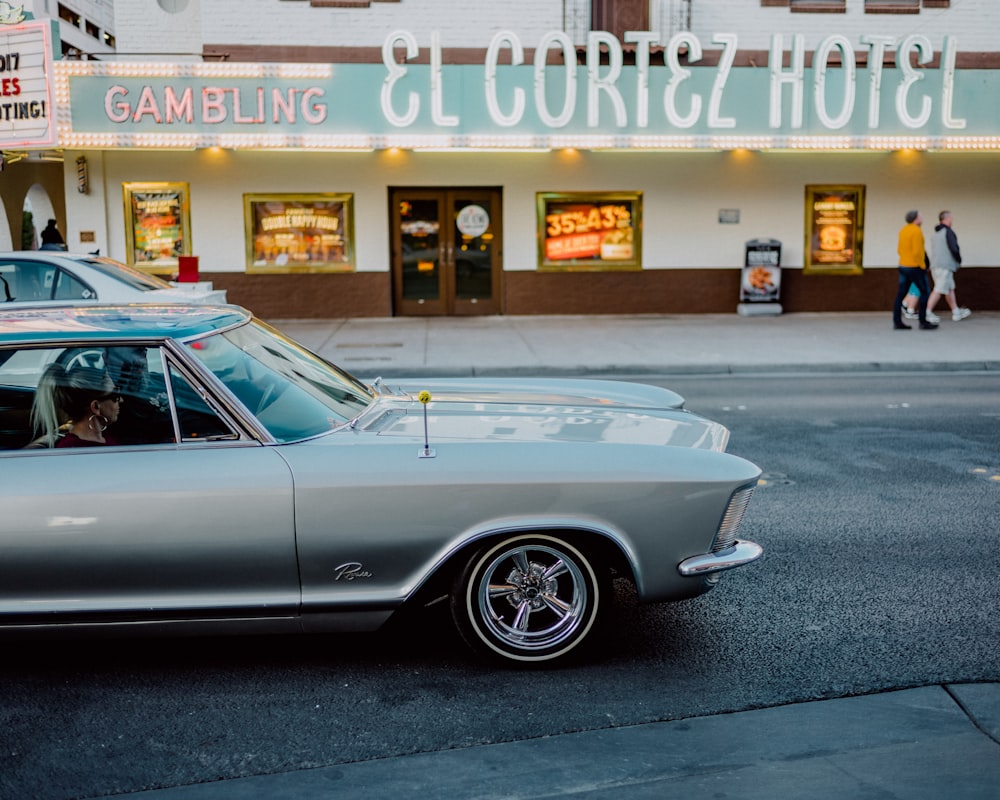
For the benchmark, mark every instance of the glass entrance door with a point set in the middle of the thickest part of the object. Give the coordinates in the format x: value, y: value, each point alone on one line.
x: 445, y: 251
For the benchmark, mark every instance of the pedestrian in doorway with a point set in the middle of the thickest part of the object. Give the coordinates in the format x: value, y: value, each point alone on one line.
x: 913, y: 264
x: 946, y: 258
x: 51, y: 238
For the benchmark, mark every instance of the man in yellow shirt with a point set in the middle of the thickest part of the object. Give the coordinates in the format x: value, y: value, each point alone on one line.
x: 912, y: 270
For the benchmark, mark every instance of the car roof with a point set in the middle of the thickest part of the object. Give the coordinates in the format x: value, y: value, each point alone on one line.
x: 92, y: 266
x: 46, y: 255
x: 118, y: 321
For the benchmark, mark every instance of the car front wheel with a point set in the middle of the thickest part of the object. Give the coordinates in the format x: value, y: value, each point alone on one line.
x: 529, y: 599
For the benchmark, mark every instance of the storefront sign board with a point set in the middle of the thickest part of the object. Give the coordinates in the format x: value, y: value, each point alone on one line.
x: 26, y: 118
x: 299, y: 232
x: 157, y: 224
x: 495, y: 104
x: 835, y: 225
x: 589, y: 230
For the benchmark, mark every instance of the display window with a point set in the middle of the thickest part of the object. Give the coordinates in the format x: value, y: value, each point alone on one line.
x: 589, y: 230
x: 157, y: 225
x: 300, y: 232
x: 834, y: 236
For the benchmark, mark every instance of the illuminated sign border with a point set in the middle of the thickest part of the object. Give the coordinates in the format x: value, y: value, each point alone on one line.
x: 589, y: 231
x: 304, y: 217
x: 176, y: 198
x: 834, y: 229
x: 831, y: 105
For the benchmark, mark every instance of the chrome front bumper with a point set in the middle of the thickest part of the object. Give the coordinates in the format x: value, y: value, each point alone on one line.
x: 742, y: 552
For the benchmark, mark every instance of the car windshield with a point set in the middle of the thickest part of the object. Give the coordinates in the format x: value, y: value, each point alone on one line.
x: 292, y: 392
x: 125, y: 274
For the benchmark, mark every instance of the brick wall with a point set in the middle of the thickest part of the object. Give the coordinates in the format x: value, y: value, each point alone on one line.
x: 973, y: 22
x: 145, y: 28
x: 274, y: 22
x: 356, y: 294
x: 690, y: 291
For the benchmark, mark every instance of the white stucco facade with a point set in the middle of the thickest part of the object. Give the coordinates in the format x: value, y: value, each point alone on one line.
x: 683, y: 195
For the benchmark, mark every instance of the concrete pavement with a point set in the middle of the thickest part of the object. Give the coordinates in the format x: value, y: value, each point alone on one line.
x: 646, y: 344
x: 925, y: 743
x: 921, y: 743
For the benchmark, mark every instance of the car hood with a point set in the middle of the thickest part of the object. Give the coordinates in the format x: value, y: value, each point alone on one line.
x: 535, y: 410
x: 597, y: 393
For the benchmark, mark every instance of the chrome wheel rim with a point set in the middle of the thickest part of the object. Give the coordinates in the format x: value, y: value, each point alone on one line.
x: 533, y: 597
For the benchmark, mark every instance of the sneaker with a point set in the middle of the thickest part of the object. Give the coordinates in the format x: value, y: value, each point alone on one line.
x: 909, y: 314
x: 928, y: 326
x: 960, y: 313
x: 932, y: 317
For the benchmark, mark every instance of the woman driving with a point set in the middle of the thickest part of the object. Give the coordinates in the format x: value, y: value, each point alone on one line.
x: 79, y: 403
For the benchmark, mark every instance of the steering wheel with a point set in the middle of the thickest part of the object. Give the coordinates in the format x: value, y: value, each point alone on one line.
x: 94, y: 359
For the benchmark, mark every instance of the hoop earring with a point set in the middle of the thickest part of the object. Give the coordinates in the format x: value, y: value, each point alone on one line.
x: 100, y: 426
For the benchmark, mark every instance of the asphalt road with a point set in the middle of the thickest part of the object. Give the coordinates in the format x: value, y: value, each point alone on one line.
x: 878, y: 517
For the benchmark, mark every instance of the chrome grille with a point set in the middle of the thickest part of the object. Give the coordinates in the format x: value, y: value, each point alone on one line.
x: 730, y: 525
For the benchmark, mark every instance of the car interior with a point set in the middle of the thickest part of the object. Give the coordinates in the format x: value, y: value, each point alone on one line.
x: 138, y: 375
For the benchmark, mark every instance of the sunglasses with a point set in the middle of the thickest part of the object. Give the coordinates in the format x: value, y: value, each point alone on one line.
x: 115, y: 396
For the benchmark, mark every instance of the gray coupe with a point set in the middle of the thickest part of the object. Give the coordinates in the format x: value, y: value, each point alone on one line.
x: 220, y: 478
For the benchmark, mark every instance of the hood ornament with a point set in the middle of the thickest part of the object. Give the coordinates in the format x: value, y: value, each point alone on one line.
x: 425, y: 397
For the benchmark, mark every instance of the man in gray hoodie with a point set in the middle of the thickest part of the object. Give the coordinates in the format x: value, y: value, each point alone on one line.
x: 946, y: 258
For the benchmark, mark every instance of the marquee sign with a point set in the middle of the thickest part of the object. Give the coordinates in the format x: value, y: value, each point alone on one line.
x: 832, y: 104
x: 25, y: 102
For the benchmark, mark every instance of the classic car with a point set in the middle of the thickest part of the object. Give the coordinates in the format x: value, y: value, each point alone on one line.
x: 42, y: 277
x: 252, y: 486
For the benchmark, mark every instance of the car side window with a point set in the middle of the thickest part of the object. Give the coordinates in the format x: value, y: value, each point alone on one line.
x: 38, y: 388
x: 69, y: 288
x: 8, y: 283
x: 25, y: 281
x: 137, y: 372
x: 56, y: 387
x: 19, y: 371
x: 197, y: 419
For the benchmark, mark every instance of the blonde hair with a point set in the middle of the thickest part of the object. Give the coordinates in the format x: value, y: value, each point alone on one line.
x: 65, y: 396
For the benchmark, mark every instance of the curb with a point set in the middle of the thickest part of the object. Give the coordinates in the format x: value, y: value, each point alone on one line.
x: 923, y: 367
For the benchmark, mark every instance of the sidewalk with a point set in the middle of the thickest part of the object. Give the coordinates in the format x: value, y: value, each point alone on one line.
x: 926, y: 743
x: 645, y: 344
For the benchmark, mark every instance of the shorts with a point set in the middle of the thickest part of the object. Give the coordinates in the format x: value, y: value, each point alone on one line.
x: 944, y: 280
